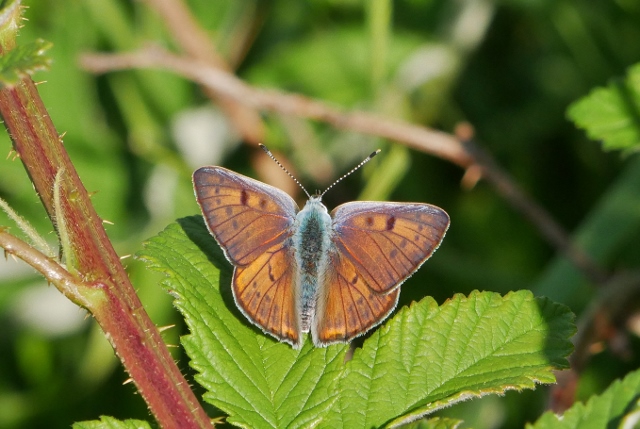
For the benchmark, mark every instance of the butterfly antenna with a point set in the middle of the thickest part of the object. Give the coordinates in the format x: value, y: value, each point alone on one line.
x: 367, y: 159
x: 268, y: 152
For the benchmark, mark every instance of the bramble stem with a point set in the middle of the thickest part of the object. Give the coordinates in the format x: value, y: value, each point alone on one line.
x: 98, y: 279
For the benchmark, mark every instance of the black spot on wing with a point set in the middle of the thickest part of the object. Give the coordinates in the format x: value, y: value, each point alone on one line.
x: 271, y: 276
x: 391, y: 222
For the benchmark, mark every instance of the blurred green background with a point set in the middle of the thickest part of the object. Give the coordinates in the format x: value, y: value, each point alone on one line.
x: 508, y: 67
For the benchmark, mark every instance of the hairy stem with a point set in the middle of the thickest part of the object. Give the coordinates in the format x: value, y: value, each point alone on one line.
x: 97, y: 279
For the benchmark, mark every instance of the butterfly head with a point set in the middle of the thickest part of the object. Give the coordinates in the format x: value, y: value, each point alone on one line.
x: 315, y: 202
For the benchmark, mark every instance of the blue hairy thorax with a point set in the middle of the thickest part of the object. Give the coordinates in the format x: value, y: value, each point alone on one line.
x: 311, y: 241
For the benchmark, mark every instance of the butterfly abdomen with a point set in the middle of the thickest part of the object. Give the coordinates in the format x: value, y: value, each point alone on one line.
x: 311, y: 241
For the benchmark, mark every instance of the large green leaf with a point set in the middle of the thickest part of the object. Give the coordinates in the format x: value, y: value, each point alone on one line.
x: 425, y: 358
x: 612, y: 114
x: 616, y: 407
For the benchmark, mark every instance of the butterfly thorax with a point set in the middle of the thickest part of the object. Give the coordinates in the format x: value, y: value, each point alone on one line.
x: 312, y: 242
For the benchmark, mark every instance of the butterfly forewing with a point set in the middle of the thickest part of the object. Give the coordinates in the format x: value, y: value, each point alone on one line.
x: 347, y: 307
x: 253, y: 223
x: 245, y: 216
x: 387, y: 242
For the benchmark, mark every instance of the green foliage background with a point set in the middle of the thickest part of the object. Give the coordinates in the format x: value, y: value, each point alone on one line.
x: 511, y: 68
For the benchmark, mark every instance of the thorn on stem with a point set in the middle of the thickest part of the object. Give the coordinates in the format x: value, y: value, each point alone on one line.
x: 164, y: 328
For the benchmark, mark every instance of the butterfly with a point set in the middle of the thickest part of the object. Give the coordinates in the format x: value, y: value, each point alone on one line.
x: 296, y: 271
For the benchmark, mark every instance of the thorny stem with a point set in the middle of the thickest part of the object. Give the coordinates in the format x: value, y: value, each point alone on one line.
x: 47, y: 266
x: 99, y: 281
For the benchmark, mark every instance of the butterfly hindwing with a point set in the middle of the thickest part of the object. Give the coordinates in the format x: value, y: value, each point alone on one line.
x: 387, y: 242
x: 264, y: 292
x: 245, y: 216
x: 347, y: 307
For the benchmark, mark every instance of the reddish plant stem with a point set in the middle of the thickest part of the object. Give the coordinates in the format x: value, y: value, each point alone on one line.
x: 101, y: 282
x: 48, y: 267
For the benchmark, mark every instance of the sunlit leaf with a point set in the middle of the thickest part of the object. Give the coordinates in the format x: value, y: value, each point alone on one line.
x: 612, y: 114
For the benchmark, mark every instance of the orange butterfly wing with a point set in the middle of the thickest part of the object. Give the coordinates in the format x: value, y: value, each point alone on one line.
x: 246, y: 217
x: 252, y: 222
x: 264, y: 292
x: 377, y: 247
x: 346, y: 306
x: 387, y: 242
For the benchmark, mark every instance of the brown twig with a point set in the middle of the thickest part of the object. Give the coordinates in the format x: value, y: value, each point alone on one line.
x: 538, y: 216
x: 102, y: 286
x: 602, y: 322
x: 434, y: 142
x: 468, y: 156
x: 197, y: 44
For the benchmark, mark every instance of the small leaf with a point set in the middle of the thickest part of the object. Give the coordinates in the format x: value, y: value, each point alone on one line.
x: 23, y: 60
x: 612, y: 114
x: 616, y: 405
x: 107, y: 422
x: 425, y: 358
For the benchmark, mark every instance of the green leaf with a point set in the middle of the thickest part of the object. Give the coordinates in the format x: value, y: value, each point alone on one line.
x: 616, y: 405
x: 612, y: 114
x: 425, y: 358
x: 23, y: 60
x: 107, y: 422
